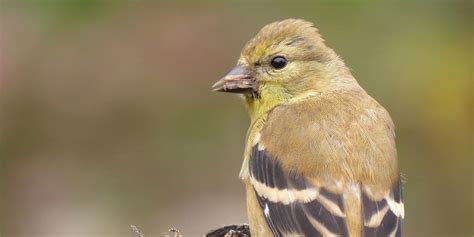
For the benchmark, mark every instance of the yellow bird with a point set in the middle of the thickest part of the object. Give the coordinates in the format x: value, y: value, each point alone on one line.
x: 320, y: 156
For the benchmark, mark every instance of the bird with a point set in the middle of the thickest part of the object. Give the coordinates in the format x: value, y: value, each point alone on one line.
x: 320, y: 157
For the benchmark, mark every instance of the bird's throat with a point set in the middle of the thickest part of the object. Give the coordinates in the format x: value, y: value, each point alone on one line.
x: 259, y: 106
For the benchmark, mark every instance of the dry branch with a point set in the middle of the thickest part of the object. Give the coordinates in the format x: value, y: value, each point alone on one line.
x: 226, y: 231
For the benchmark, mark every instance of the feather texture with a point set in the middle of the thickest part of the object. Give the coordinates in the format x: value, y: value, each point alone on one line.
x: 318, y: 168
x: 384, y: 217
x: 291, y: 205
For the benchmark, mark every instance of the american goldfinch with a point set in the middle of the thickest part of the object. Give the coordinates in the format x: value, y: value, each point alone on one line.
x: 320, y: 156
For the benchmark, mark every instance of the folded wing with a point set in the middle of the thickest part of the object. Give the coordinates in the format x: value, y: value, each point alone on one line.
x: 291, y: 205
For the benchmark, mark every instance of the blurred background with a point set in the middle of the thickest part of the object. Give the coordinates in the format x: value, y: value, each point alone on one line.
x: 107, y: 118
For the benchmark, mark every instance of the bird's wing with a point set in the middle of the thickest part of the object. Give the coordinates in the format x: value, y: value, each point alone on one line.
x: 311, y: 158
x: 384, y: 217
x: 292, y: 206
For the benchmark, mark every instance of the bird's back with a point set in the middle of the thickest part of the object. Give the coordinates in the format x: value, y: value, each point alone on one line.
x: 342, y: 143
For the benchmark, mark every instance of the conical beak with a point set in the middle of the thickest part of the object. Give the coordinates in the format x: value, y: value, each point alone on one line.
x: 238, y: 80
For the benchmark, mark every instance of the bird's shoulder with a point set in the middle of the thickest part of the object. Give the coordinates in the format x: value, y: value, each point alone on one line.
x: 326, y: 165
x: 340, y: 135
x: 333, y: 110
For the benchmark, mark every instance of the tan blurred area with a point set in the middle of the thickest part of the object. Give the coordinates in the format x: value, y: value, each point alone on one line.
x: 107, y: 118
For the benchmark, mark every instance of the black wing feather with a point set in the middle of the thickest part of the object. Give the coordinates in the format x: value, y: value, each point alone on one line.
x: 391, y: 222
x: 295, y: 217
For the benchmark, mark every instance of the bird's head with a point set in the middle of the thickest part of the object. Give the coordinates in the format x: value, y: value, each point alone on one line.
x: 285, y: 61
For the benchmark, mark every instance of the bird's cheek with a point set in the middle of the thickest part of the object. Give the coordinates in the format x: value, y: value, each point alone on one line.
x: 262, y: 86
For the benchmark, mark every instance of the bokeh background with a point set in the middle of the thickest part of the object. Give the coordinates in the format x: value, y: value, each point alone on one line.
x: 107, y: 118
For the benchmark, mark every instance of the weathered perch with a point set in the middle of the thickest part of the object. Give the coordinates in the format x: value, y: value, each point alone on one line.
x: 231, y: 231
x: 226, y: 231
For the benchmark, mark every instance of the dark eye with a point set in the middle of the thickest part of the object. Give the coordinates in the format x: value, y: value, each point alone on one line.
x: 279, y: 62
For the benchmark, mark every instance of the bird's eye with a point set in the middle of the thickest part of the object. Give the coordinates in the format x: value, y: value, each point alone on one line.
x: 279, y: 62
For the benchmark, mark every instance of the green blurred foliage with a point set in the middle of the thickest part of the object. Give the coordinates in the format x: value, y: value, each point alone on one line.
x: 107, y: 118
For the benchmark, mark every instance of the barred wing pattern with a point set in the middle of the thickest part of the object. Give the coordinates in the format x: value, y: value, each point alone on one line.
x: 294, y: 207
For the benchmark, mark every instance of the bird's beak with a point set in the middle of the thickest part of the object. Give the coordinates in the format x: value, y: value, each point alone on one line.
x: 238, y: 80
